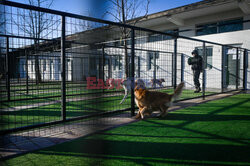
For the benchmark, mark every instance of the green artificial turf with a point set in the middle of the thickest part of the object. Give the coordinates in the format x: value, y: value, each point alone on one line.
x: 52, y: 112
x: 214, y: 133
x: 30, y: 97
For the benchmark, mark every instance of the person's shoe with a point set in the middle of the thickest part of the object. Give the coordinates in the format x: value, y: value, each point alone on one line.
x: 197, y: 90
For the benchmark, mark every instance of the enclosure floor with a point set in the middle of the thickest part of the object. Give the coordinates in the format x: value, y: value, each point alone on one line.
x: 25, y: 142
x: 18, y: 108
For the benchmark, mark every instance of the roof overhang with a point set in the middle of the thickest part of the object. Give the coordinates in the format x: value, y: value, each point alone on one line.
x: 178, y: 17
x: 244, y: 5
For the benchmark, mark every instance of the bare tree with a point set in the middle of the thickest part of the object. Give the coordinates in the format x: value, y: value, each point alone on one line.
x: 125, y: 11
x: 36, y: 25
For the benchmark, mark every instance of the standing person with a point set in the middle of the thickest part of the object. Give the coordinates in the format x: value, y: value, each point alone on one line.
x: 196, y: 63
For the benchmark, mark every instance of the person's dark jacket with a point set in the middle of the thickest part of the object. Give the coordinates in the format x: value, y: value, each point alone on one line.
x: 196, y: 62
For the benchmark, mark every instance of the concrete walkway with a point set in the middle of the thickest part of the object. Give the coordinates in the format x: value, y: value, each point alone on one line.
x: 16, y: 144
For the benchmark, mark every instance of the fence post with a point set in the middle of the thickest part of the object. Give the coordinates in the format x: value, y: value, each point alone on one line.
x: 154, y: 73
x: 110, y: 67
x: 204, y: 64
x: 182, y: 67
x: 139, y: 67
x: 7, y: 61
x: 237, y: 69
x: 103, y: 64
x: 223, y: 69
x: 174, y: 74
x: 27, y: 72
x: 63, y: 81
x: 245, y: 63
x: 132, y: 71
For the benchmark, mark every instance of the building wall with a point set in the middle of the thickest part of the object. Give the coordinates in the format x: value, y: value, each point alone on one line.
x: 49, y: 66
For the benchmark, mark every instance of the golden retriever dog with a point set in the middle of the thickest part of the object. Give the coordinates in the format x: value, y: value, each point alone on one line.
x: 149, y: 101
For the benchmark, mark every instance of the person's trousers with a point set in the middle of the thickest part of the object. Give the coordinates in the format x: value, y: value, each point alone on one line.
x: 196, y: 75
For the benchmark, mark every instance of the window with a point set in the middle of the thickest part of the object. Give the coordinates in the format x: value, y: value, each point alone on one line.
x: 150, y: 59
x: 231, y: 25
x: 159, y: 37
x: 206, y: 29
x: 220, y: 27
x: 174, y: 32
x: 209, y: 54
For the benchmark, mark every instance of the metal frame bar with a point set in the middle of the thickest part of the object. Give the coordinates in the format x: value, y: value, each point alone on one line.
x: 63, y: 73
x: 204, y: 64
x: 7, y: 68
x: 132, y: 71
x: 27, y: 71
x: 237, y: 69
x: 174, y: 74
x: 245, y: 61
x: 154, y: 71
x: 223, y: 69
x: 182, y: 67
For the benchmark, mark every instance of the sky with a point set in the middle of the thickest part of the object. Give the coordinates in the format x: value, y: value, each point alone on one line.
x: 82, y: 6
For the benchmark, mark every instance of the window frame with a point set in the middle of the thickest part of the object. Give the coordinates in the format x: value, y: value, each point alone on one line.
x: 218, y: 25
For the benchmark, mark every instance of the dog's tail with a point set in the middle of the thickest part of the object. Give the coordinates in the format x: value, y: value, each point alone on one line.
x: 177, y: 92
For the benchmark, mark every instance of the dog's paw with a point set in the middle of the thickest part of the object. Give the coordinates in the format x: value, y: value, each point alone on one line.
x: 138, y: 116
x: 142, y: 116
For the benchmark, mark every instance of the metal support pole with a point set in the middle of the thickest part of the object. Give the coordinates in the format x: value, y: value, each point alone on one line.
x: 172, y: 78
x: 139, y: 67
x: 132, y: 71
x: 175, y: 64
x: 7, y: 61
x: 27, y: 72
x: 245, y: 63
x: 204, y: 64
x: 110, y: 67
x: 237, y: 69
x: 63, y: 81
x: 103, y: 64
x: 182, y: 67
x: 223, y: 69
x: 154, y: 73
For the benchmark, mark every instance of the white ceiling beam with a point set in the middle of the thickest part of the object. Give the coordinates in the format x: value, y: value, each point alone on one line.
x: 175, y: 20
x: 244, y: 6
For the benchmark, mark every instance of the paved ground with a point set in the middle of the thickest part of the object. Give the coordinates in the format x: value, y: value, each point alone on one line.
x: 24, y: 142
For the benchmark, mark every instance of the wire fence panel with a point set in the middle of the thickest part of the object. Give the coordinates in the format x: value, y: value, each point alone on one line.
x: 57, y: 67
x: 247, y: 69
x: 153, y: 62
x: 213, y: 68
x: 185, y: 48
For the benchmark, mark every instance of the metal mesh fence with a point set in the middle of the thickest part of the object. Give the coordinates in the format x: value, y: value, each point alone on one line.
x: 57, y: 67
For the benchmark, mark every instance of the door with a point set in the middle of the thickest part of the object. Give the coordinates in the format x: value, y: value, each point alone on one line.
x: 232, y: 70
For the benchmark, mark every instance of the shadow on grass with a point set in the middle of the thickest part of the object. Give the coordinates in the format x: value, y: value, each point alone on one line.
x: 144, y: 152
x: 210, y: 136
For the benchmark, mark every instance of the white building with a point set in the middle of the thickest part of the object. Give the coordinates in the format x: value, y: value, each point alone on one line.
x: 219, y: 21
